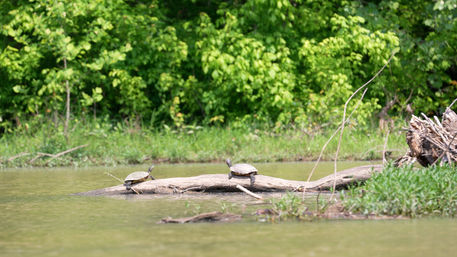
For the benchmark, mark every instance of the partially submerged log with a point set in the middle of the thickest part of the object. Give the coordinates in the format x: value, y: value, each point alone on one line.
x: 334, y: 211
x: 220, y: 183
x: 204, y: 217
x: 431, y: 141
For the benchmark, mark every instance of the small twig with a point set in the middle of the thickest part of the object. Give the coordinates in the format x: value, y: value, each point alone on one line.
x: 111, y: 175
x: 452, y: 141
x: 12, y: 158
x: 437, y: 159
x: 434, y: 127
x: 242, y: 188
x: 409, y: 97
x: 448, y: 149
x: 453, y: 102
x: 46, y: 154
x: 438, y: 121
x: 120, y: 180
x: 436, y: 143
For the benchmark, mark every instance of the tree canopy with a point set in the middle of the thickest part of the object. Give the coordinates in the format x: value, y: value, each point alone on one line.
x: 214, y: 62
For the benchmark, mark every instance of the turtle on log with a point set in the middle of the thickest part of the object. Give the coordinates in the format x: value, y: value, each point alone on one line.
x: 242, y: 169
x: 137, y: 177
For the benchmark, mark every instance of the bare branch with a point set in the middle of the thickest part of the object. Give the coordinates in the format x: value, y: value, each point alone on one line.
x: 66, y: 151
x: 333, y: 135
x: 39, y: 155
x: 53, y: 156
x: 344, y: 115
x: 12, y: 158
x: 453, y: 102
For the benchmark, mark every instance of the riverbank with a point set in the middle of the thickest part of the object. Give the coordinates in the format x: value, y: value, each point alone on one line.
x: 119, y: 145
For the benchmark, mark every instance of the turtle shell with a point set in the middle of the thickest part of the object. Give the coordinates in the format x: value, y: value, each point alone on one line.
x: 243, y: 169
x: 137, y: 176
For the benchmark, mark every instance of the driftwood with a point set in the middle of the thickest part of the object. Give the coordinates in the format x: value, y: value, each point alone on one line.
x: 204, y: 217
x: 12, y: 158
x: 334, y: 211
x: 431, y: 140
x: 220, y: 183
x: 53, y: 156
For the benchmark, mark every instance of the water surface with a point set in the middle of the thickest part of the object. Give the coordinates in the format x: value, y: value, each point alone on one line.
x: 40, y: 217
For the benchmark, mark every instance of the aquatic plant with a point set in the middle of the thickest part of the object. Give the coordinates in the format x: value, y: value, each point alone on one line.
x: 288, y: 206
x: 192, y: 208
x: 406, y: 191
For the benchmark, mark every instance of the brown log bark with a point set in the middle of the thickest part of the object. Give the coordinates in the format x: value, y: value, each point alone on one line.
x: 220, y: 183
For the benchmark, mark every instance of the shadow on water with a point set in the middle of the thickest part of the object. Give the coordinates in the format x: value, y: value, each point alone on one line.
x: 39, y: 217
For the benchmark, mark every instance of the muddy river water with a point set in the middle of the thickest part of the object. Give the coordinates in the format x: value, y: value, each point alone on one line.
x: 40, y: 217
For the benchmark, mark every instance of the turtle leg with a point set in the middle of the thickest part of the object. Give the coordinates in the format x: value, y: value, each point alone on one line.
x: 252, y: 179
x: 128, y: 185
x: 230, y: 175
x: 149, y: 171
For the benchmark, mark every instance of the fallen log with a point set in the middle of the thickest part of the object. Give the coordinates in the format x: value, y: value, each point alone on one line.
x: 204, y: 217
x: 220, y: 183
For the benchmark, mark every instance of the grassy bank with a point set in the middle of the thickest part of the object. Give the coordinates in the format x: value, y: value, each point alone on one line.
x: 393, y: 193
x: 118, y: 144
x: 404, y: 191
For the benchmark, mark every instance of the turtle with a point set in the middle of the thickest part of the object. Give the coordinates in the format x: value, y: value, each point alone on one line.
x: 137, y: 177
x: 242, y: 169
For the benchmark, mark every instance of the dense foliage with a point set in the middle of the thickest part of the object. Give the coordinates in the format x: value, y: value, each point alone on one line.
x: 406, y: 191
x: 211, y: 62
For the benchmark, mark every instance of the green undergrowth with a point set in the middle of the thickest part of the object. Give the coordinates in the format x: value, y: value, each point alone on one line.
x: 406, y: 191
x: 293, y: 207
x: 109, y: 144
x: 289, y: 206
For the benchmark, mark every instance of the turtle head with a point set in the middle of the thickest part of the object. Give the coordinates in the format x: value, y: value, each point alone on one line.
x: 229, y: 163
x: 150, y: 168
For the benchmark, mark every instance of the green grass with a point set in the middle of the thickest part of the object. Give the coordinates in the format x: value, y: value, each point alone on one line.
x: 289, y: 206
x: 406, y: 191
x: 110, y: 144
